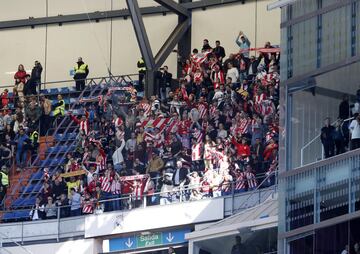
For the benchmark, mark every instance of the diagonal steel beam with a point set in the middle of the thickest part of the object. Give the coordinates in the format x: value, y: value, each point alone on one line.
x: 174, y: 7
x: 141, y: 34
x: 171, y: 42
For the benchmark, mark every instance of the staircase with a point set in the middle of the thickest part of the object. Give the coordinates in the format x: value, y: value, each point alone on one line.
x: 52, y: 151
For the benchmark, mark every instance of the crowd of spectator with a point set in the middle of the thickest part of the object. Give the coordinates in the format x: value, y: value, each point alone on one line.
x: 213, y: 133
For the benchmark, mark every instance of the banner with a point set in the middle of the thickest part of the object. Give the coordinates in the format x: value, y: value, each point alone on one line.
x: 262, y: 50
x: 74, y: 173
x: 133, y: 177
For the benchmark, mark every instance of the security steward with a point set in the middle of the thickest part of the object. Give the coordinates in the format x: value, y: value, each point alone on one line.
x: 34, y: 138
x: 142, y: 71
x: 81, y: 72
x: 4, y: 181
x: 59, y: 107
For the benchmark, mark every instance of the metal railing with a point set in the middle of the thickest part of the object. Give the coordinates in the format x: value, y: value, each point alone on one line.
x: 316, y: 139
x: 92, y: 85
x: 316, y: 192
x: 59, y: 229
x: 183, y: 192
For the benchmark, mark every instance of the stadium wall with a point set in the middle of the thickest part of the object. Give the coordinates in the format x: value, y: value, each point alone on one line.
x: 83, y: 246
x: 112, y: 43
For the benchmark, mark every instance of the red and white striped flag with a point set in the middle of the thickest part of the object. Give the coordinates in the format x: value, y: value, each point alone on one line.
x: 146, y: 107
x: 160, y: 123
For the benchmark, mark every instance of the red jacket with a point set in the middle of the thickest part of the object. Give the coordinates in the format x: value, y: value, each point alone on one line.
x: 20, y: 75
x: 243, y: 150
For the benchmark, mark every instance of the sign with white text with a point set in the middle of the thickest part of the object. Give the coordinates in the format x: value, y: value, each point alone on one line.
x: 148, y: 240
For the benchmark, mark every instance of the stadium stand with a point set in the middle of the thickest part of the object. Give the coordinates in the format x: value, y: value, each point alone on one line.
x: 212, y: 133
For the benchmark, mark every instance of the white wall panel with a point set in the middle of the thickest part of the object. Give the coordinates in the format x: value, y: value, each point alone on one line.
x: 66, y: 43
x: 64, y: 7
x: 20, y: 46
x: 125, y: 51
x: 20, y: 9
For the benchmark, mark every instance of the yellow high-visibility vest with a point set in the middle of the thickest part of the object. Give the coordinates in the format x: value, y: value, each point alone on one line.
x: 60, y: 109
x: 4, y: 179
x: 34, y: 136
x: 81, y: 69
x: 141, y: 69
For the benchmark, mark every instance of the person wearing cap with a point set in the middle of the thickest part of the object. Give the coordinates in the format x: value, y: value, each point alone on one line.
x: 155, y: 165
x: 81, y: 72
x: 4, y: 181
x: 243, y: 42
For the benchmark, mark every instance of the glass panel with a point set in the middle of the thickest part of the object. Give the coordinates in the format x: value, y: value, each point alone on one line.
x: 336, y: 35
x: 303, y: 245
x: 300, y: 200
x: 329, y: 2
x: 304, y: 47
x: 308, y: 113
x: 303, y: 7
x: 357, y: 28
x: 332, y: 239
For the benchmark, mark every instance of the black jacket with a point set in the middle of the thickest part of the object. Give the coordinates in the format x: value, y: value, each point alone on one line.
x: 36, y: 72
x: 165, y: 79
x: 182, y: 175
x: 219, y: 52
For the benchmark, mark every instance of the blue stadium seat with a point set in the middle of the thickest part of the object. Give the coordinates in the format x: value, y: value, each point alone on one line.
x: 38, y: 175
x: 8, y: 216
x: 53, y: 91
x: 67, y: 101
x: 71, y: 136
x: 45, y: 163
x: 64, y: 90
x: 59, y: 137
x: 73, y: 100
x: 29, y: 201
x: 37, y: 188
x: 44, y: 91
x: 29, y: 189
x: 53, y: 149
x: 18, y: 202
x: 24, y: 214
x: 72, y: 89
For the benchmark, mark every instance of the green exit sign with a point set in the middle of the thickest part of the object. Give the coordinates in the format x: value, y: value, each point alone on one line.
x: 150, y: 240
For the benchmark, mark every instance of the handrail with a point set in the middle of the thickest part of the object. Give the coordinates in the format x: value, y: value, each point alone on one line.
x: 2, y: 235
x: 94, y: 89
x: 188, y: 187
x: 48, y: 156
x: 275, y: 173
x: 315, y: 139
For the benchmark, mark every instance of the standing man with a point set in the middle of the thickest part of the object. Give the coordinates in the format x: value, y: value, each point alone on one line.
x: 355, y: 132
x: 4, y: 181
x: 75, y: 202
x: 142, y: 71
x: 243, y: 42
x: 165, y: 79
x: 81, y: 72
x: 219, y: 51
x: 59, y: 107
x: 327, y: 138
x: 35, y: 79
